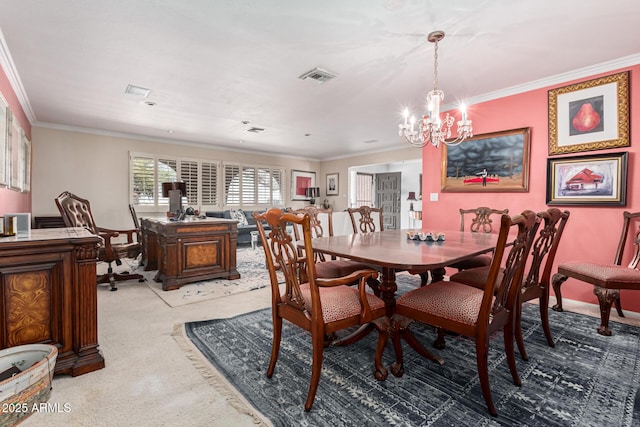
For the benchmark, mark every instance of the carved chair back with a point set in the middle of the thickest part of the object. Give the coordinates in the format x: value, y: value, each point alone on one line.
x: 629, y: 217
x: 315, y: 223
x: 363, y: 221
x: 481, y: 221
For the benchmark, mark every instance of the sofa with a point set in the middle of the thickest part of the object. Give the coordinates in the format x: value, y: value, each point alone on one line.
x: 246, y: 223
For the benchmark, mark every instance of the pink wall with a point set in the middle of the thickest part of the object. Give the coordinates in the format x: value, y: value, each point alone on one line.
x: 592, y: 232
x: 14, y: 201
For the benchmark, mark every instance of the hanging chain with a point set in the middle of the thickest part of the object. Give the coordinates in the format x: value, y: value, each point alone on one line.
x: 435, y: 66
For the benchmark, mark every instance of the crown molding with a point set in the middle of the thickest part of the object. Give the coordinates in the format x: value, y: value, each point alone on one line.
x: 91, y: 131
x: 557, y: 79
x: 7, y: 64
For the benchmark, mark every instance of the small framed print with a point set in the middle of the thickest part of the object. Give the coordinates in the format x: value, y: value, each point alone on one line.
x: 4, y: 142
x: 300, y: 181
x: 591, y: 115
x: 591, y: 180
x: 332, y: 184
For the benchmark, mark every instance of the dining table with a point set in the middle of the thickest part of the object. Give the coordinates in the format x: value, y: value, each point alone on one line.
x: 392, y: 251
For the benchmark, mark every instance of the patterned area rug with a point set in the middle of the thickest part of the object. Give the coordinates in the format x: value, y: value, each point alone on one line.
x: 587, y: 379
x: 253, y: 275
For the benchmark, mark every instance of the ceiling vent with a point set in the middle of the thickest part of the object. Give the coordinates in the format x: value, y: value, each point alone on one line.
x: 137, y: 91
x: 318, y: 75
x: 255, y: 130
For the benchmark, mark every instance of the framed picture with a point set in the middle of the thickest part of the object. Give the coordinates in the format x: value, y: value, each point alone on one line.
x: 26, y: 163
x: 592, y: 115
x: 15, y: 155
x: 599, y: 179
x: 300, y: 180
x: 332, y: 184
x: 4, y: 142
x: 492, y: 162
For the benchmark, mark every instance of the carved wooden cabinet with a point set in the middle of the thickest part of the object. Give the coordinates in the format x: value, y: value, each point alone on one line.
x: 189, y: 251
x: 48, y: 294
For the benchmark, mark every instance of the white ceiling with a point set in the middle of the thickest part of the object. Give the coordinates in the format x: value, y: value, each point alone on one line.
x: 211, y: 65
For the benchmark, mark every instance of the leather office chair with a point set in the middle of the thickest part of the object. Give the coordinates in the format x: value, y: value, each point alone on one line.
x: 607, y: 279
x: 469, y: 311
x: 76, y: 212
x: 320, y: 306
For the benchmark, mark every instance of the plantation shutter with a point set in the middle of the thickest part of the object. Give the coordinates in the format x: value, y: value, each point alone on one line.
x: 248, y: 185
x: 232, y: 184
x: 189, y: 174
x: 209, y: 184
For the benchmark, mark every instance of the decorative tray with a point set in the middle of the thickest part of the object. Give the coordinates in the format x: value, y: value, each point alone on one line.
x: 432, y: 236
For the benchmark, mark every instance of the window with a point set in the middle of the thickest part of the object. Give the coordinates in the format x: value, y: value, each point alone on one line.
x: 148, y: 172
x: 246, y: 185
x: 364, y: 189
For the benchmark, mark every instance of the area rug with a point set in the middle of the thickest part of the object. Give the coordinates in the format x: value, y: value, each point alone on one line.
x: 250, y: 264
x: 587, y: 379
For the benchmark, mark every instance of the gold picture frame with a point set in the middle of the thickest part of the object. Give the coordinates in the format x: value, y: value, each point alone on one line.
x: 591, y: 115
x: 491, y: 162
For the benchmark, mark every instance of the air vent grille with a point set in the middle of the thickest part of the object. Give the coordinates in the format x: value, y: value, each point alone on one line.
x: 318, y: 75
x: 255, y: 130
x: 137, y: 91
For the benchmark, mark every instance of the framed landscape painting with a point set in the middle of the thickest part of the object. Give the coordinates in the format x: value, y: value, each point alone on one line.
x: 591, y: 115
x: 595, y: 180
x: 492, y: 162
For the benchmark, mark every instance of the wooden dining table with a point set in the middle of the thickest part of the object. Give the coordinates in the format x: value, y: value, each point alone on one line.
x: 391, y: 251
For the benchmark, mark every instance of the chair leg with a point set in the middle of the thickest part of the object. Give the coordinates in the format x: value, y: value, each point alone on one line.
x: 556, y: 281
x: 482, y: 360
x: 383, y: 326
x: 544, y: 317
x: 397, y: 368
x: 619, y: 307
x: 439, y: 342
x: 275, y: 345
x: 605, y: 299
x: 518, y: 334
x: 317, y: 341
x: 508, y: 334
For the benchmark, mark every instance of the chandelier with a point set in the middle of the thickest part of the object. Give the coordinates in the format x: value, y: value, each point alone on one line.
x: 433, y: 129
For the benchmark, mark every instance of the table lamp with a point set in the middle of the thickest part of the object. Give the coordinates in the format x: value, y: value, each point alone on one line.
x: 312, y: 193
x: 175, y: 191
x: 411, y: 198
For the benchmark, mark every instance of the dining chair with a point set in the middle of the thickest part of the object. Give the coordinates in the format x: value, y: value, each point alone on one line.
x: 76, y: 212
x: 607, y: 279
x: 470, y: 311
x: 363, y: 221
x: 536, y: 283
x: 320, y: 306
x: 481, y: 222
x: 329, y: 267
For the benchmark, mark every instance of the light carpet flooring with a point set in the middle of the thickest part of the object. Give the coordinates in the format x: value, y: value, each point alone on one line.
x: 148, y: 379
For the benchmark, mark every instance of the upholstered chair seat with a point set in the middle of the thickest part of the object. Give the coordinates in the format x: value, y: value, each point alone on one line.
x: 607, y: 276
x: 448, y: 300
x: 341, y: 303
x: 338, y: 268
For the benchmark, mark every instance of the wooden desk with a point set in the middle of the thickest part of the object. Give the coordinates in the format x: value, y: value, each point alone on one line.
x: 189, y: 251
x: 392, y: 251
x: 48, y: 294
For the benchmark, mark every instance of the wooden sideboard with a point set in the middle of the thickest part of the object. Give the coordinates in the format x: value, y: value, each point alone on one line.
x: 48, y: 294
x: 189, y: 251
